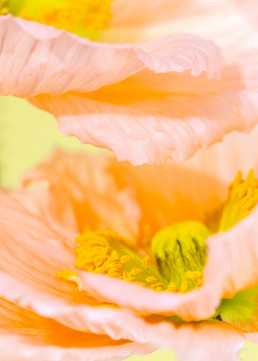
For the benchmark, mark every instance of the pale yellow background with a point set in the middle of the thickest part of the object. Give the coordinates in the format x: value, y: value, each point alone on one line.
x: 26, y: 136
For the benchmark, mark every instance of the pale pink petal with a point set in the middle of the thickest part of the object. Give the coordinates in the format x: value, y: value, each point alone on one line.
x: 19, y: 348
x: 149, y: 127
x: 34, y: 60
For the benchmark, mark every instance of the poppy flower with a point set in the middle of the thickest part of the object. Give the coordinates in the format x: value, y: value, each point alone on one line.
x: 87, y: 267
x: 160, y: 81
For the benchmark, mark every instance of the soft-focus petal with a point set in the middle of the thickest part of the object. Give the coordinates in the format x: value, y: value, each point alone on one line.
x: 201, y: 341
x: 82, y: 193
x: 24, y: 349
x: 237, y: 152
x: 100, y: 192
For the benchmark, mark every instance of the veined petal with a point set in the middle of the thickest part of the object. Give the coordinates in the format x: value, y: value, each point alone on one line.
x: 33, y: 60
x: 151, y: 127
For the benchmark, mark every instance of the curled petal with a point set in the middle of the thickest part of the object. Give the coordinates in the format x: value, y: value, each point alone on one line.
x: 153, y: 128
x: 27, y: 350
x: 34, y: 61
x: 100, y: 319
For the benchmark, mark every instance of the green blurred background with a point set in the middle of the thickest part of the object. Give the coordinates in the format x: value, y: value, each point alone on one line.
x: 27, y: 135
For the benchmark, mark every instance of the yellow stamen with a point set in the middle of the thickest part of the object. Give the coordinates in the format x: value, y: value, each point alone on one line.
x: 151, y: 279
x: 184, y: 287
x: 158, y: 286
x: 136, y: 271
x: 146, y: 262
x: 125, y: 259
x: 199, y: 282
x: 106, y: 252
x: 172, y: 287
x: 193, y: 275
x: 4, y: 11
x: 242, y: 199
x: 69, y: 276
x: 73, y: 16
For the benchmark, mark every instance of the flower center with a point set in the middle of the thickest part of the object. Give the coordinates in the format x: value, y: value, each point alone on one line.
x: 180, y: 252
x: 82, y: 17
x: 106, y: 252
x: 242, y: 199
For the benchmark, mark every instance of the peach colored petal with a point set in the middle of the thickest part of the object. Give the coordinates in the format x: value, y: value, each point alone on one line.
x: 154, y: 332
x: 252, y: 337
x: 99, y: 192
x: 38, y: 63
x: 14, y: 347
x: 103, y: 320
x: 82, y: 193
x: 32, y: 250
x: 201, y: 341
x: 237, y: 152
x: 223, y: 248
x: 151, y: 127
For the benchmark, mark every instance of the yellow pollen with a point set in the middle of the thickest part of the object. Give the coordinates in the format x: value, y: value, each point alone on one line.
x: 158, y: 286
x: 80, y: 16
x: 151, y: 279
x: 184, y: 287
x: 125, y: 258
x: 106, y: 252
x: 172, y: 287
x: 193, y: 275
x: 69, y: 276
x: 128, y: 277
x: 242, y: 199
x: 136, y: 271
x: 199, y: 282
x: 145, y: 262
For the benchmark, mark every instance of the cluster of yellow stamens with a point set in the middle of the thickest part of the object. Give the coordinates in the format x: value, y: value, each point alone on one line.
x: 80, y: 16
x: 4, y: 9
x: 179, y: 251
x: 242, y: 199
x: 106, y: 252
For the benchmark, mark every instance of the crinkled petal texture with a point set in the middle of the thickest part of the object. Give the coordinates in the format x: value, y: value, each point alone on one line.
x: 164, y: 98
x: 48, y: 318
